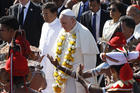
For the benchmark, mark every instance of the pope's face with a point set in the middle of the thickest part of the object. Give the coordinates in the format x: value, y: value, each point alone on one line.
x: 67, y: 22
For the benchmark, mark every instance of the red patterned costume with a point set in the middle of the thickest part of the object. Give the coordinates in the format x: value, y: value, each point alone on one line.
x: 125, y: 84
x: 20, y: 48
x: 24, y: 44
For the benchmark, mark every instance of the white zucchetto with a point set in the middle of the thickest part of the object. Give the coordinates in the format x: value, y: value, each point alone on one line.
x: 67, y: 12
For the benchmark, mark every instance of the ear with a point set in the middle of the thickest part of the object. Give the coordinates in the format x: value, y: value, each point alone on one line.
x: 73, y: 20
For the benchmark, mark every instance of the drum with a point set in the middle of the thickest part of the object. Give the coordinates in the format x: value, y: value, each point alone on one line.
x: 37, y: 80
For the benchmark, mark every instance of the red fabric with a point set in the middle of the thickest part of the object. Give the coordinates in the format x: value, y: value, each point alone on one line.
x: 137, y: 6
x: 117, y: 86
x: 138, y: 49
x: 24, y: 44
x: 118, y: 40
x: 126, y: 72
x: 20, y: 64
x: 138, y: 80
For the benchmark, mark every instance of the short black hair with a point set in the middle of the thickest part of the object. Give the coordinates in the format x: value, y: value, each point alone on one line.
x: 51, y: 6
x: 10, y: 22
x: 98, y: 1
x: 130, y: 22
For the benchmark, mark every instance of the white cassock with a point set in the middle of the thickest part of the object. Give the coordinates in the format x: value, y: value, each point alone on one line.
x: 86, y: 51
x: 49, y: 35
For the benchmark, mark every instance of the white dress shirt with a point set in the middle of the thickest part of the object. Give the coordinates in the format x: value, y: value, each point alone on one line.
x: 25, y: 10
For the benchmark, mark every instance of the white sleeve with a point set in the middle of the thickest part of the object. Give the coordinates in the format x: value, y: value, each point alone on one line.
x: 133, y: 55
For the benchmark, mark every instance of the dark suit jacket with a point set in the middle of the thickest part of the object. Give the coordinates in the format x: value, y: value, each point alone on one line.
x: 86, y: 19
x: 63, y: 8
x: 76, y: 9
x: 32, y: 24
x: 4, y: 6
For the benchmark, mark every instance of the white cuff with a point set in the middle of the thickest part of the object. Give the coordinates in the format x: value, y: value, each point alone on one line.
x: 103, y: 89
x: 89, y: 86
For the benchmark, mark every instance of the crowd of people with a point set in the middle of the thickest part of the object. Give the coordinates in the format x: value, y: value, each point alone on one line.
x: 85, y: 46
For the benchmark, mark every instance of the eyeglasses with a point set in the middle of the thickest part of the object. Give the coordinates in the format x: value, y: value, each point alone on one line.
x: 113, y: 9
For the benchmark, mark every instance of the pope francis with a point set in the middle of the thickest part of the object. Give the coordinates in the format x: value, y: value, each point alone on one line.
x: 75, y: 45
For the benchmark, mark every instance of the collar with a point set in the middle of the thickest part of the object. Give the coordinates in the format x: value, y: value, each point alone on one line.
x: 27, y: 5
x: 74, y: 28
x: 59, y: 9
x: 82, y: 3
x: 120, y: 86
x: 138, y: 25
x: 129, y: 38
x: 97, y: 13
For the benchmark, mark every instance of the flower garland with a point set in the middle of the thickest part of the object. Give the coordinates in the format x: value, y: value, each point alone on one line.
x: 59, y: 76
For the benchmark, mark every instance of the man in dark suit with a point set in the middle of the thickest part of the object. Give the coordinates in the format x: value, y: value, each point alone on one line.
x: 30, y: 19
x: 101, y: 17
x: 60, y: 5
x: 80, y: 7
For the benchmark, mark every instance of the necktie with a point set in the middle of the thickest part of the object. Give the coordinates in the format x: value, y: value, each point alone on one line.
x: 81, y: 10
x: 21, y: 16
x: 94, y: 26
x: 84, y: 8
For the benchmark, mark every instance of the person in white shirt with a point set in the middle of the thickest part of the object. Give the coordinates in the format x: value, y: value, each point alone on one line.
x: 50, y: 31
